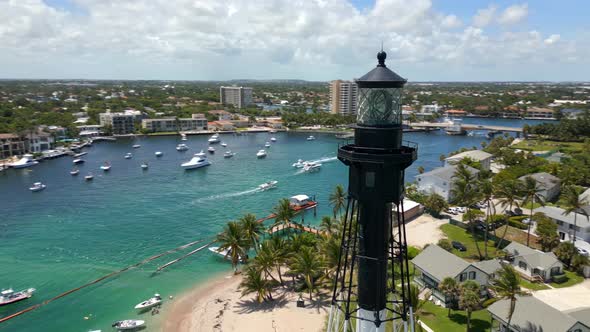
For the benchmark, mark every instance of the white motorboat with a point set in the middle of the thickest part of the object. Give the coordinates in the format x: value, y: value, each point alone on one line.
x: 228, y: 154
x: 154, y: 301
x: 196, y: 162
x: 183, y: 137
x: 273, y: 139
x: 106, y: 167
x: 78, y: 161
x: 37, y: 186
x: 223, y: 144
x: 268, y: 185
x: 211, y: 149
x: 158, y: 153
x: 78, y: 155
x: 300, y: 163
x: 311, y: 167
x: 9, y: 296
x: 261, y: 154
x: 25, y: 161
x: 181, y: 147
x: 75, y: 172
x: 213, y: 139
x: 89, y: 177
x: 136, y: 146
x: 128, y: 155
x: 144, y: 166
x: 223, y: 253
x: 310, y: 138
x: 200, y: 154
x: 128, y: 324
x: 267, y: 145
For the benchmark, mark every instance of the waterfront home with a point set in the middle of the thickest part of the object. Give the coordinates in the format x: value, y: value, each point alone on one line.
x: 221, y: 125
x: 484, y: 158
x: 550, y: 185
x: 120, y: 123
x: 434, y: 264
x: 533, y: 264
x: 539, y: 112
x: 90, y: 130
x: 440, y: 181
x: 532, y: 314
x: 39, y: 141
x: 221, y: 114
x: 11, y: 145
x: 565, y: 223
x: 174, y: 124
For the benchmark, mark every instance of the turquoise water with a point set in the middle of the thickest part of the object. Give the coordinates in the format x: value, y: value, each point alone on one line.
x: 76, y: 231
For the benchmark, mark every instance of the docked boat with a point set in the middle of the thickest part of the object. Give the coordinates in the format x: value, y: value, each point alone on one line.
x: 144, y: 166
x: 78, y: 155
x: 78, y: 161
x: 181, y: 147
x: 158, y: 154
x: 136, y: 146
x: 267, y: 145
x: 211, y: 149
x: 261, y: 154
x: 311, y: 167
x: 223, y: 144
x: 228, y: 154
x: 106, y: 167
x: 196, y: 162
x: 299, y: 164
x: 455, y: 128
x: 200, y: 154
x: 37, y: 186
x: 310, y: 138
x: 75, y: 172
x: 273, y: 139
x: 223, y: 253
x: 9, y: 296
x: 268, y: 185
x: 128, y: 155
x: 183, y: 137
x: 154, y: 301
x: 128, y: 324
x: 25, y: 161
x: 213, y: 139
x: 89, y: 177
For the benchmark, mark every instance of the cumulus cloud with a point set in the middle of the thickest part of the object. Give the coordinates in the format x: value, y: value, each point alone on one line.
x: 552, y: 39
x: 484, y: 16
x: 514, y: 14
x: 451, y: 21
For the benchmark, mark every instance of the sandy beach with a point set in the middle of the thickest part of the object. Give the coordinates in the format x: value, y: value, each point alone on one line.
x: 218, y: 306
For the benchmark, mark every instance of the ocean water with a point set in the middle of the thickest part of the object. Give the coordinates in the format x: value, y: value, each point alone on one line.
x: 76, y: 231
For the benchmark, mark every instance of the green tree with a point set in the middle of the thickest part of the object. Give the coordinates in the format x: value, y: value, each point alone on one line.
x: 486, y: 192
x: 308, y: 264
x: 579, y: 262
x: 445, y: 244
x: 283, y: 212
x: 328, y: 225
x: 420, y: 169
x: 435, y: 204
x: 574, y: 204
x: 233, y: 240
x: 416, y: 303
x: 279, y: 247
x: 472, y: 216
x: 464, y: 188
x: 565, y: 252
x: 337, y: 199
x: 507, y: 286
x: 253, y: 282
x: 252, y: 229
x: 266, y: 260
x: 546, y: 232
x: 330, y: 250
x: 451, y: 289
x: 531, y: 190
x: 469, y: 299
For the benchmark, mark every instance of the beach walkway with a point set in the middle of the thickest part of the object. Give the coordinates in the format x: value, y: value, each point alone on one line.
x: 291, y: 225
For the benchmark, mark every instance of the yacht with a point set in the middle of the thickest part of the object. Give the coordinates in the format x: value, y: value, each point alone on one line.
x: 89, y: 177
x: 261, y: 154
x: 154, y: 301
x: 228, y: 154
x: 78, y: 161
x: 128, y: 155
x: 75, y: 171
x: 37, y: 186
x: 183, y: 137
x: 25, y: 161
x: 181, y: 147
x: 196, y: 162
x: 158, y: 154
x: 300, y: 163
x: 211, y: 149
x: 144, y: 166
x: 128, y: 324
x: 311, y: 138
x: 136, y: 146
x: 268, y: 185
x: 267, y: 145
x: 311, y: 167
x: 455, y: 128
x: 213, y: 139
x: 9, y: 296
x: 106, y: 167
x: 273, y: 139
x: 223, y: 144
x: 200, y: 154
x: 78, y: 155
x: 224, y: 253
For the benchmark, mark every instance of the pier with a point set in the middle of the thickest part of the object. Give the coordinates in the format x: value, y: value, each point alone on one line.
x: 443, y: 125
x: 291, y: 225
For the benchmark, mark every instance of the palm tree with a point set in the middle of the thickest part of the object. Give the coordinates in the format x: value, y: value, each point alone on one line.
x: 486, y: 191
x: 464, y: 190
x: 416, y: 303
x: 252, y: 229
x: 253, y: 282
x: 471, y: 216
x: 279, y: 247
x: 283, y: 212
x: 265, y: 260
x: 469, y: 299
x: 450, y: 288
x: 330, y: 250
x: 531, y: 192
x: 337, y: 199
x: 234, y: 241
x: 309, y: 265
x: 507, y: 286
x: 575, y: 204
x: 328, y: 225
x: 508, y: 194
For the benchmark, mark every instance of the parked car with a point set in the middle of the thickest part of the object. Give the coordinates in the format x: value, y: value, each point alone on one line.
x: 461, y: 209
x: 452, y: 210
x: 458, y: 245
x: 526, y: 221
x: 582, y: 251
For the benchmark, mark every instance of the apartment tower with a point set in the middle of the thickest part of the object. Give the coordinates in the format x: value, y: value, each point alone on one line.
x: 343, y: 97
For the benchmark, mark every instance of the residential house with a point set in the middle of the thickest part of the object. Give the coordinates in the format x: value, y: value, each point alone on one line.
x: 550, y: 185
x: 11, y: 145
x: 532, y: 314
x: 533, y: 264
x: 440, y: 180
x: 567, y: 223
x: 221, y: 114
x: 484, y: 158
x: 571, y: 113
x: 221, y: 125
x: 39, y: 141
x: 410, y: 209
x: 539, y: 112
x: 434, y: 264
x: 89, y: 130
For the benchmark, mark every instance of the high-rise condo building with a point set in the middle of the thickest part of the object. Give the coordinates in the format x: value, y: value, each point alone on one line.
x: 238, y: 96
x: 343, y: 97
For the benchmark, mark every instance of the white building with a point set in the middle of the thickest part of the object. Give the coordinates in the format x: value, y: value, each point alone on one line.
x: 565, y: 223
x: 235, y: 95
x: 431, y: 109
x: 343, y: 97
x: 440, y: 181
x: 484, y: 158
x: 39, y: 141
x: 533, y: 263
x: 90, y: 130
x: 174, y: 124
x: 550, y: 185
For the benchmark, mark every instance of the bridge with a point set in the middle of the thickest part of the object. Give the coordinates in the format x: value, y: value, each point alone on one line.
x: 465, y: 126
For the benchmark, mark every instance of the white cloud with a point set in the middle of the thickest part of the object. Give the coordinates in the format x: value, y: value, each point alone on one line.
x: 485, y: 16
x: 451, y: 21
x: 514, y: 14
x: 552, y: 39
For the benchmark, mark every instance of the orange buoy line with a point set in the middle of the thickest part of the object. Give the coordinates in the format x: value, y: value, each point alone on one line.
x: 149, y: 259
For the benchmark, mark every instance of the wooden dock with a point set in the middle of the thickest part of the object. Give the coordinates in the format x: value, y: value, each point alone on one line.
x: 291, y: 225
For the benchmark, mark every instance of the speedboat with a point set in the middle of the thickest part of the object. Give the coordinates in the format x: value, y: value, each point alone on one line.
x: 273, y: 139
x: 183, y: 137
x: 213, y: 139
x: 75, y: 172
x: 226, y: 253
x: 89, y: 177
x: 78, y: 155
x: 154, y: 301
x: 9, y: 296
x: 196, y: 162
x: 267, y: 145
x: 25, y: 161
x: 144, y: 166
x: 78, y: 161
x: 211, y: 149
x: 106, y: 167
x: 311, y: 167
x: 310, y: 138
x: 300, y: 163
x: 136, y: 146
x: 223, y: 144
x: 268, y: 185
x: 37, y: 186
x: 128, y: 155
x: 228, y: 154
x: 158, y: 154
x: 128, y: 324
x: 200, y: 154
x: 181, y: 147
x: 261, y: 154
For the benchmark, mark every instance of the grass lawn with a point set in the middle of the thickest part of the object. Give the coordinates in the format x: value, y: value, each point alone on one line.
x: 456, y: 233
x: 544, y: 145
x: 514, y: 234
x: 572, y: 279
x: 532, y: 285
x: 163, y: 133
x: 436, y: 318
x: 528, y: 206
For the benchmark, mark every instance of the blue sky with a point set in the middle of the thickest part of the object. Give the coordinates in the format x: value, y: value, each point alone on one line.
x: 426, y: 40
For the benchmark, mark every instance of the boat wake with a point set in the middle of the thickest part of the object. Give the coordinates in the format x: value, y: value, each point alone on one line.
x: 226, y: 195
x: 324, y: 160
